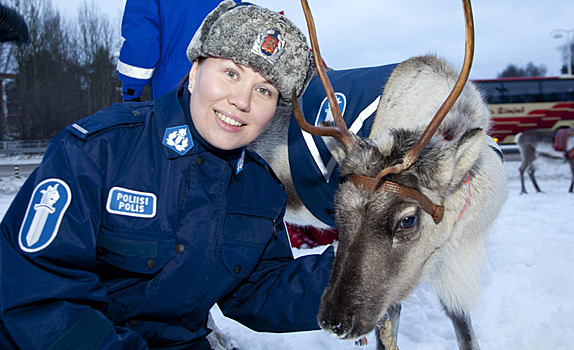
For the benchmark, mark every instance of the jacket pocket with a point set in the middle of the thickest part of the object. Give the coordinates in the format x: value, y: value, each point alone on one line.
x: 248, y: 231
x: 250, y: 224
x: 140, y: 252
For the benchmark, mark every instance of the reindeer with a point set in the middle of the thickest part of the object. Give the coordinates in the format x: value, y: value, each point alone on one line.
x: 414, y: 205
x: 535, y: 144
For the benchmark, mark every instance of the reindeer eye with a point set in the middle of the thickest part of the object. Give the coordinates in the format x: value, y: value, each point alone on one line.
x: 408, y: 222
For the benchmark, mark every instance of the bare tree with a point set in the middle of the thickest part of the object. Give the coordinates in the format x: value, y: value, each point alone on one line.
x: 7, y: 52
x: 44, y: 82
x: 97, y: 43
x: 530, y: 70
x: 65, y: 73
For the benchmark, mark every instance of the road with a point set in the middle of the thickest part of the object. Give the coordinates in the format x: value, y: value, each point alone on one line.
x: 21, y: 167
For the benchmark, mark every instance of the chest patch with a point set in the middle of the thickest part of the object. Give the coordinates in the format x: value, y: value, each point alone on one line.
x: 178, y: 139
x: 122, y: 201
x: 47, y: 206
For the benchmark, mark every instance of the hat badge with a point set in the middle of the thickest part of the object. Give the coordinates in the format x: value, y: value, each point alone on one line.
x: 269, y: 44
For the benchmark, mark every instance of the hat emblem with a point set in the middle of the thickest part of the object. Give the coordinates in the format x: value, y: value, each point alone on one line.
x: 269, y: 44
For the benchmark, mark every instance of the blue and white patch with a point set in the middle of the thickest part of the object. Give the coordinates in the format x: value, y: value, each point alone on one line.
x: 178, y: 139
x: 123, y: 201
x: 240, y: 162
x: 47, y: 206
x: 325, y: 114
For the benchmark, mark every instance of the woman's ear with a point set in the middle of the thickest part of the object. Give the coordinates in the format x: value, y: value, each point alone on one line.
x: 193, y: 75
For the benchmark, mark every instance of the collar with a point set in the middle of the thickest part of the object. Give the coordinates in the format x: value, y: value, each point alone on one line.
x: 179, y: 137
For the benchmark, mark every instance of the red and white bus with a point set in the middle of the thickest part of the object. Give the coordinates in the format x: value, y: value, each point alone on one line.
x: 519, y: 104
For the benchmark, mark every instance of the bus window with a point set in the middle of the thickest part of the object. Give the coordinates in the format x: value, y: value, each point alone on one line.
x: 520, y: 104
x: 558, y: 90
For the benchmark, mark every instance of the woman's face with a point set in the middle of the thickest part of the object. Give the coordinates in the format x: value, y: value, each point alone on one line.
x: 230, y: 103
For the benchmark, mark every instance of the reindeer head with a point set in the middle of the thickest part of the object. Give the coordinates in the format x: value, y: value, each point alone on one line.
x: 387, y: 240
x: 389, y: 209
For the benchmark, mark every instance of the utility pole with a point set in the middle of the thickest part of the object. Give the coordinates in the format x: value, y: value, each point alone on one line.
x: 559, y: 34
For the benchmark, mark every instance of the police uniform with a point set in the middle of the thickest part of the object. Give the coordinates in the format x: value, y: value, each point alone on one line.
x: 133, y: 227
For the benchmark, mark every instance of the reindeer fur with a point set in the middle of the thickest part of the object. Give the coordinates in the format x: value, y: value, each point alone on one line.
x: 377, y: 265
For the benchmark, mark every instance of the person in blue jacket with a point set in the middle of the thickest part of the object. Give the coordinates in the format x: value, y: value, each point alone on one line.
x: 145, y: 215
x: 156, y: 34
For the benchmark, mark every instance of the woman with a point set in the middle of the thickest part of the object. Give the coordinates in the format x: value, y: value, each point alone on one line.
x: 143, y: 216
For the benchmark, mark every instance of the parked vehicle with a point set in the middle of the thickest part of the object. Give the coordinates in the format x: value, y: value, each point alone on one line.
x: 520, y: 104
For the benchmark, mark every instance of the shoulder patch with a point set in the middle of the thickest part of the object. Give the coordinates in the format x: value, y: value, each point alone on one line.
x: 47, y: 206
x: 123, y: 201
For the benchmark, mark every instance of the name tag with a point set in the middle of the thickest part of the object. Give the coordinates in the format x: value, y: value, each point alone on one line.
x: 123, y: 201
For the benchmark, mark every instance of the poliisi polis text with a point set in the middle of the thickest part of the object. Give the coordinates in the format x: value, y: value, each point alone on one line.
x: 132, y: 203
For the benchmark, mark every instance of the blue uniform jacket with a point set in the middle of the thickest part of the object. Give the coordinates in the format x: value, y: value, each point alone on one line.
x: 131, y: 229
x: 156, y: 34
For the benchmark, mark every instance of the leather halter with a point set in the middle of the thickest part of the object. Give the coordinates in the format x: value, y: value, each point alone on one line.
x: 369, y: 183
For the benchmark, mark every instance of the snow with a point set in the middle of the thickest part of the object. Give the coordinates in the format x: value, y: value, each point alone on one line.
x: 528, y: 299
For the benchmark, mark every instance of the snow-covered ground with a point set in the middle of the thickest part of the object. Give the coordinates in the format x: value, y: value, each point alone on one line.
x: 528, y: 299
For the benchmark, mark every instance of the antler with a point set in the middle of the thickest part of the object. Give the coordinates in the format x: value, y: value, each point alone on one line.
x: 431, y: 129
x: 339, y: 131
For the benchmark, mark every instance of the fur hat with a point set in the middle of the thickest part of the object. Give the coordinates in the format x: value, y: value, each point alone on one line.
x: 259, y: 38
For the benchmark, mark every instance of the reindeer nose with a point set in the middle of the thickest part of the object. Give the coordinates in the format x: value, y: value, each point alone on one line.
x: 334, y: 327
x: 336, y: 330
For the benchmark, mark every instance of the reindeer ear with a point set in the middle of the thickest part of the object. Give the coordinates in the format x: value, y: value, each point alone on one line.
x: 469, y: 146
x: 456, y: 157
x: 336, y: 148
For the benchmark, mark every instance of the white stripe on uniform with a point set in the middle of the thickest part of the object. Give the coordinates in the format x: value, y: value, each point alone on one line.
x: 134, y: 72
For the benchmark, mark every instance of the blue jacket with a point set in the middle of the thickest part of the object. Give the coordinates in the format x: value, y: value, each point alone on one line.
x: 156, y: 34
x: 132, y: 228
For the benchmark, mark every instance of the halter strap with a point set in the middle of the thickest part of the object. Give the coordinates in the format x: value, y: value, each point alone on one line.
x: 369, y: 183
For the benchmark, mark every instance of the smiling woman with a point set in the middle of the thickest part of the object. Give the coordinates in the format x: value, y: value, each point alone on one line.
x: 230, y: 103
x: 140, y: 199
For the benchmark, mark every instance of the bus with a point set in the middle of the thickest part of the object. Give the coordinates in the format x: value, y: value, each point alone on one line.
x: 520, y: 104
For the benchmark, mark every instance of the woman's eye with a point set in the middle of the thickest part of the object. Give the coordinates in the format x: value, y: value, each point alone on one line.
x: 408, y: 222
x: 232, y: 74
x: 264, y: 91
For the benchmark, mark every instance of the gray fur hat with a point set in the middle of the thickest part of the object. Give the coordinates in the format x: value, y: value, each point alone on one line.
x: 259, y: 38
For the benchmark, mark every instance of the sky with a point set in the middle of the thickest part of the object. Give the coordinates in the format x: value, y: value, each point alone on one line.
x: 363, y: 33
x: 528, y: 303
